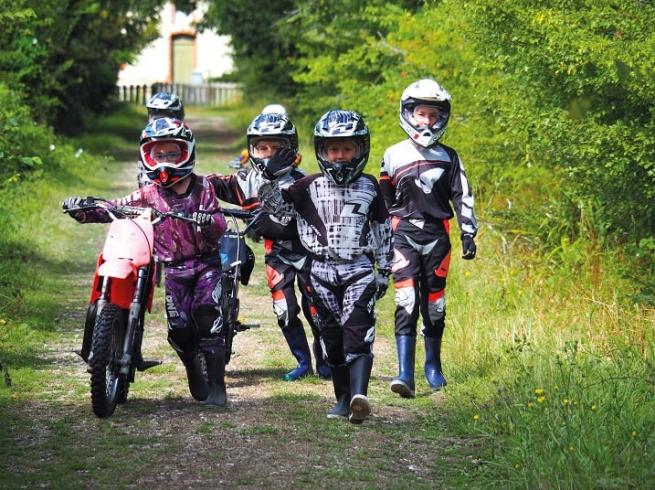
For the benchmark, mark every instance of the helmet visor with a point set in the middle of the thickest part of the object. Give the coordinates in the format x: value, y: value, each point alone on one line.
x: 428, y: 116
x: 171, y: 153
x: 340, y: 150
x: 265, y: 148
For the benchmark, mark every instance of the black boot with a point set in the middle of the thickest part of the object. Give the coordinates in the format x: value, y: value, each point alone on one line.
x: 297, y: 340
x: 140, y: 363
x: 341, y: 383
x: 433, y: 363
x: 195, y: 376
x: 360, y: 373
x: 216, y: 375
x: 322, y: 369
x: 403, y: 384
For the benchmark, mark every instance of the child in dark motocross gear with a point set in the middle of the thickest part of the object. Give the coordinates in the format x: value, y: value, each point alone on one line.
x: 419, y: 179
x: 343, y: 221
x: 286, y: 259
x: 190, y: 251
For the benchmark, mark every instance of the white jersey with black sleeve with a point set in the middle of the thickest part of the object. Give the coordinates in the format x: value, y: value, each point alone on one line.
x: 418, y: 185
x: 340, y: 222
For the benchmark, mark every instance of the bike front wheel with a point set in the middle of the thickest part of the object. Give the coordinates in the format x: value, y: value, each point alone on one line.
x: 107, y: 384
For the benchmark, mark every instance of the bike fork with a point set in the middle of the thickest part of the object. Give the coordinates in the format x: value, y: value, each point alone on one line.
x: 133, y: 320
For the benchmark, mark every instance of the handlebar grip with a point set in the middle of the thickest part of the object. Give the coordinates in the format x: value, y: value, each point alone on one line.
x: 237, y: 213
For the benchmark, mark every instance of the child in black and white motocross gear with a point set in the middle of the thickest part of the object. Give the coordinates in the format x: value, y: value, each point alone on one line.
x: 343, y: 221
x: 286, y: 259
x: 420, y: 178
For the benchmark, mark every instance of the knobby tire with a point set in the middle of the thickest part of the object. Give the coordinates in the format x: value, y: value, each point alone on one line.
x: 108, y: 386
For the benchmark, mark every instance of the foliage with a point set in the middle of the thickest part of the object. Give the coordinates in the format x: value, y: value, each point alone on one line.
x: 552, y: 102
x: 259, y: 49
x: 62, y: 58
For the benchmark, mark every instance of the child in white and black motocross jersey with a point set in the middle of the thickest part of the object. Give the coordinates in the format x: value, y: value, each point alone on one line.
x: 343, y: 221
x: 420, y: 178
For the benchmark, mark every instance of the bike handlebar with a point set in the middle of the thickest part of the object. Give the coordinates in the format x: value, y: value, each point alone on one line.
x: 126, y: 211
x: 91, y: 202
x: 237, y: 213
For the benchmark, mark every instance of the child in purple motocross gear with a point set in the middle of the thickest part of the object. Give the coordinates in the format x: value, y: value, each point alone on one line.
x: 189, y: 251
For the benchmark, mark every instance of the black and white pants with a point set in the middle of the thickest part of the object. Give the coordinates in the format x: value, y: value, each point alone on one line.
x: 344, y: 297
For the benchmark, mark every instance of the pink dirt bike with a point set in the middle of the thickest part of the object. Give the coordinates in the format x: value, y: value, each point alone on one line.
x: 122, y: 291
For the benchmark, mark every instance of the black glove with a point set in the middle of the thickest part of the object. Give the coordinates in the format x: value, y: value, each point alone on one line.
x: 468, y: 247
x: 72, y: 203
x: 202, y: 218
x: 382, y: 282
x: 279, y: 164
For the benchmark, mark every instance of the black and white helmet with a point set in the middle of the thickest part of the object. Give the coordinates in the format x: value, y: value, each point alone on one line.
x: 270, y: 126
x: 341, y: 125
x: 164, y: 104
x: 429, y: 93
x: 274, y: 109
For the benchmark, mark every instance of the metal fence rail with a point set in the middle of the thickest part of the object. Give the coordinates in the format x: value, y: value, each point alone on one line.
x: 213, y: 95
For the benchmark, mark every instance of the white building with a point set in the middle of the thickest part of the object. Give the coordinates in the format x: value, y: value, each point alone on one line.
x: 181, y: 54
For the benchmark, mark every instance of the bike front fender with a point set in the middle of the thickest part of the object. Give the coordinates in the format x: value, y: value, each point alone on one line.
x: 116, y: 268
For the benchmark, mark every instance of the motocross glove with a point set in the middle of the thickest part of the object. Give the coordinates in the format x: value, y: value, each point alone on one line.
x: 468, y: 247
x: 270, y: 198
x: 279, y: 164
x: 382, y: 283
x: 72, y: 203
x: 202, y: 218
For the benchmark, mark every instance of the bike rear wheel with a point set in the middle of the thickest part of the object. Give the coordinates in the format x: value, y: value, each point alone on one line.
x: 107, y: 384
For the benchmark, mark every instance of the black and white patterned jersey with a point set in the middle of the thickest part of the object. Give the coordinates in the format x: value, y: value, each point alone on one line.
x: 242, y: 189
x: 418, y: 185
x: 341, y: 222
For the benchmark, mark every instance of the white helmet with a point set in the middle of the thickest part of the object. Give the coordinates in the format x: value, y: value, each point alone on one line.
x: 274, y: 109
x: 426, y: 92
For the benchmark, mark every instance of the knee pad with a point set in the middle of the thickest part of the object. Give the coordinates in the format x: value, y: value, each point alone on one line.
x: 406, y: 298
x: 209, y: 320
x: 436, y: 306
x: 281, y: 309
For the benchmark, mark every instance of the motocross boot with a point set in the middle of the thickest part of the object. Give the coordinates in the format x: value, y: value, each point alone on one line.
x: 297, y: 340
x: 341, y: 383
x: 403, y: 384
x: 216, y: 376
x: 360, y: 373
x: 195, y: 375
x: 433, y: 363
x: 140, y: 363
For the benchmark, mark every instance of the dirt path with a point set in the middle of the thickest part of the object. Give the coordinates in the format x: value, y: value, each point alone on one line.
x: 272, y: 434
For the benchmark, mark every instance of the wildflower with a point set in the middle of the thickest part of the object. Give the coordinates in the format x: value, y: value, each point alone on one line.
x: 78, y: 152
x: 539, y: 391
x: 541, y: 399
x: 517, y: 466
x: 530, y: 404
x: 593, y: 407
x: 476, y: 416
x: 565, y: 402
x: 52, y: 147
x: 634, y: 433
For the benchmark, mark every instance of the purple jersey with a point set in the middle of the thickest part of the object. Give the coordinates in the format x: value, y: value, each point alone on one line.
x: 177, y: 240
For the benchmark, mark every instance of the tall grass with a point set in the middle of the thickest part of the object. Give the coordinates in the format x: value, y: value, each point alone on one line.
x: 551, y: 367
